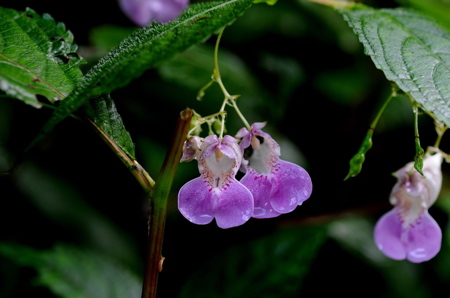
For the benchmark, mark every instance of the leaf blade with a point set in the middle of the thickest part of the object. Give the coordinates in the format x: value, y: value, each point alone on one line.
x: 147, y: 47
x: 412, y: 51
x: 103, y: 111
x: 37, y: 57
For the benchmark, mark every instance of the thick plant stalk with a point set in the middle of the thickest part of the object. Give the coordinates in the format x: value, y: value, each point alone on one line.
x: 158, y: 205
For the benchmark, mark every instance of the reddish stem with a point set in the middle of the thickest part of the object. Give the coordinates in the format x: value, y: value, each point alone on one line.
x: 158, y: 205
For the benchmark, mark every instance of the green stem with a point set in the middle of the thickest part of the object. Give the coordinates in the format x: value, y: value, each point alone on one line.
x: 158, y: 206
x: 418, y: 158
x: 381, y: 111
x: 440, y: 130
x: 358, y: 159
x: 218, y: 79
x: 228, y: 98
x: 136, y: 169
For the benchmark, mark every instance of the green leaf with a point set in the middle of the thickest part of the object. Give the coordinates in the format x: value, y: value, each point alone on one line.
x: 37, y: 57
x: 411, y: 49
x: 102, y: 111
x: 73, y: 272
x: 270, y: 2
x: 276, y: 263
x: 145, y: 48
x: 438, y: 9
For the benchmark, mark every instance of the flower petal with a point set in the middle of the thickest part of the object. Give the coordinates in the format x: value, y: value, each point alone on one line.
x: 143, y: 12
x: 233, y: 206
x: 167, y: 10
x: 423, y: 239
x: 388, y: 231
x: 195, y: 202
x: 260, y: 186
x: 419, y: 242
x: 291, y: 187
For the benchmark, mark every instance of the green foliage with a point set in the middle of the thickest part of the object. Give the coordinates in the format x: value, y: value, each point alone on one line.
x: 147, y: 48
x: 65, y: 206
x: 437, y: 9
x: 103, y: 112
x: 37, y: 57
x: 412, y: 51
x: 277, y: 263
x: 280, y: 81
x: 73, y: 272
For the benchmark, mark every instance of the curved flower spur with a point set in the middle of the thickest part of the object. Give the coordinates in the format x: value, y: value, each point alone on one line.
x: 216, y: 193
x: 277, y: 186
x: 408, y: 231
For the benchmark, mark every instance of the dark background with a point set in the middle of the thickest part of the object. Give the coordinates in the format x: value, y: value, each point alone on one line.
x: 320, y: 94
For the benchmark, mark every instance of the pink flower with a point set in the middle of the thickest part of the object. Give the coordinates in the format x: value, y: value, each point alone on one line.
x: 408, y: 231
x: 143, y: 12
x: 216, y: 193
x: 277, y: 186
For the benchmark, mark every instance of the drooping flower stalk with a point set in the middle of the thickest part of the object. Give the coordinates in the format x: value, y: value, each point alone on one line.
x: 358, y: 159
x: 228, y: 99
x: 270, y: 187
x: 418, y: 158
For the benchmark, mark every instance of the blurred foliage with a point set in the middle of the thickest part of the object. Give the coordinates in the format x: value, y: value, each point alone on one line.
x: 73, y: 272
x: 297, y: 65
x: 277, y: 263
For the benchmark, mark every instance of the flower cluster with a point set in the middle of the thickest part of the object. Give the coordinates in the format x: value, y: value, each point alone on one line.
x: 143, y: 12
x: 408, y: 231
x: 270, y: 186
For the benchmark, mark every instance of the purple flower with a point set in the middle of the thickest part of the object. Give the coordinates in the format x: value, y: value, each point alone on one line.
x: 143, y: 12
x: 216, y: 193
x: 277, y: 186
x: 408, y: 231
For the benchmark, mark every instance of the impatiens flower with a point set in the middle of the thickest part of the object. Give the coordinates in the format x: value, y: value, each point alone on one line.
x: 408, y: 231
x: 277, y: 186
x: 143, y: 12
x: 216, y: 193
x: 191, y: 148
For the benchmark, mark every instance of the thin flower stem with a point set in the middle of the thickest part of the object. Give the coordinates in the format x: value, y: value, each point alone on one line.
x: 381, y: 111
x: 229, y: 99
x: 358, y: 159
x: 440, y: 130
x: 418, y: 158
x: 201, y: 93
x: 247, y: 125
x: 158, y: 206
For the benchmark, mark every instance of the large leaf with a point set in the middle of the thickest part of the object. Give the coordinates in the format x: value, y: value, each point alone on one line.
x: 438, y: 9
x: 37, y: 57
x: 72, y: 272
x: 411, y: 49
x: 146, y: 48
